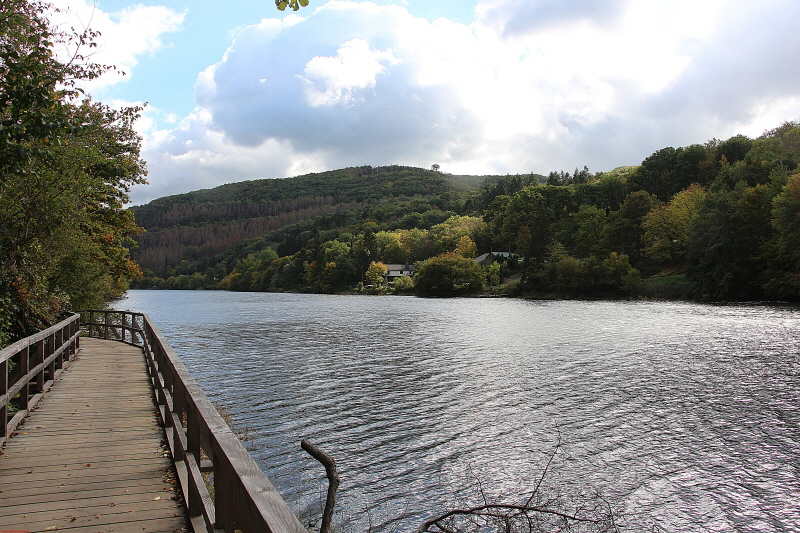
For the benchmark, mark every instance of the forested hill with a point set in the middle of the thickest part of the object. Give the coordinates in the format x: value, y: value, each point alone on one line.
x: 248, y: 199
x: 719, y: 220
x: 191, y: 227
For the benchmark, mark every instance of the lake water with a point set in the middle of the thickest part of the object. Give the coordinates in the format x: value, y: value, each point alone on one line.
x: 684, y: 416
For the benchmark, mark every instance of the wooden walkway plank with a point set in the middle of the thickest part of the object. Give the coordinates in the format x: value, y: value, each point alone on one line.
x: 91, y: 457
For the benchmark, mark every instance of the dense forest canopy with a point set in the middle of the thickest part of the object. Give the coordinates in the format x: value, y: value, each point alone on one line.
x: 708, y: 221
x: 66, y: 166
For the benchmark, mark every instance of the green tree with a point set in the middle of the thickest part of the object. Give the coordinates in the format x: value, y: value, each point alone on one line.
x: 528, y: 208
x: 287, y: 273
x: 666, y: 226
x: 448, y: 275
x: 66, y: 167
x: 334, y: 268
x: 627, y: 232
x: 591, y: 231
x: 36, y: 89
x: 655, y: 174
x: 494, y: 274
x: 568, y: 274
x: 395, y: 252
x: 781, y: 278
x: 734, y: 149
x: 403, y: 284
x: 724, y: 252
x: 617, y: 274
x: 418, y: 242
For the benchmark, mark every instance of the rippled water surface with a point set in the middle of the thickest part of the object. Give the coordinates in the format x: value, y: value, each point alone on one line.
x: 684, y: 416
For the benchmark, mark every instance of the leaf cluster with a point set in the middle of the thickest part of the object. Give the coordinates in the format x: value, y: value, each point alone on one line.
x: 293, y: 4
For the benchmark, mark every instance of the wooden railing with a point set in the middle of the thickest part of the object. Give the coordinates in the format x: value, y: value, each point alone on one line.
x: 30, y: 366
x: 237, y: 495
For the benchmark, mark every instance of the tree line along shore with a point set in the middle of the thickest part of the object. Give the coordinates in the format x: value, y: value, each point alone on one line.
x: 712, y: 221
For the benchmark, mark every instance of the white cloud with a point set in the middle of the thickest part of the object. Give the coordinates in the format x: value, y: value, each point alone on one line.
x: 510, y: 17
x: 336, y: 80
x: 529, y: 86
x: 124, y: 36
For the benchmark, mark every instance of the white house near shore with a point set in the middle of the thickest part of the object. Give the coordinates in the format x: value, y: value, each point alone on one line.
x: 489, y: 257
x: 394, y: 271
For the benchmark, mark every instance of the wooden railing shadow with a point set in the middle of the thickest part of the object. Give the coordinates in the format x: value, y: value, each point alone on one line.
x: 238, y: 496
x: 29, y: 367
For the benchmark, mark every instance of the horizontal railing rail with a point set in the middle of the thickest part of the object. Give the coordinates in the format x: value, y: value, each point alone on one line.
x: 29, y: 367
x: 234, y: 494
x: 115, y: 325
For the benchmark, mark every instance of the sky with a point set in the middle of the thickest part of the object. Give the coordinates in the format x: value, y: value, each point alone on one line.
x: 237, y: 90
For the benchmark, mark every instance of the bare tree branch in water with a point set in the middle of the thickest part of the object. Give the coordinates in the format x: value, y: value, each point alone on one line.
x: 333, y: 481
x: 513, y: 518
x: 535, y: 514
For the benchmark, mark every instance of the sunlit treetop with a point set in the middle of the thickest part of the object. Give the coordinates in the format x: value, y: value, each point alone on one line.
x: 294, y: 4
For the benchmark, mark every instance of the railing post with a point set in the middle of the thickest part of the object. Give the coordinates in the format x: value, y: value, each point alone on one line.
x: 48, y: 351
x: 223, y: 497
x: 61, y: 336
x: 178, y: 408
x: 76, y: 329
x: 195, y: 503
x: 25, y: 362
x: 4, y: 406
x: 38, y: 361
x: 166, y: 376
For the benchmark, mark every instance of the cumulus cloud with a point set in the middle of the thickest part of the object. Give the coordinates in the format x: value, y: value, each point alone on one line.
x: 352, y: 84
x: 350, y: 78
x: 124, y: 36
x: 529, y: 86
x: 510, y: 17
x: 335, y: 80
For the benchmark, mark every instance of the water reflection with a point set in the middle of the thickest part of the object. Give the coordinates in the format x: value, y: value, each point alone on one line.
x: 685, y: 415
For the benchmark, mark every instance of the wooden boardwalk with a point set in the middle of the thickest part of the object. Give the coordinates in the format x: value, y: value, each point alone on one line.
x: 92, y: 457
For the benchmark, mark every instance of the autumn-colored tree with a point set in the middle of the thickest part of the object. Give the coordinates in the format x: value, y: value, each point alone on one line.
x: 376, y: 273
x: 66, y: 167
x: 466, y: 247
x: 294, y: 5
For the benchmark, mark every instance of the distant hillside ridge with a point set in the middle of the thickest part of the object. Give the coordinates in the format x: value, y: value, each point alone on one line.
x: 208, y: 222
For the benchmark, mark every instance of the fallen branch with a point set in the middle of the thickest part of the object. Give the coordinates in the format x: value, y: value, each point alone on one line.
x: 333, y: 482
x: 486, y: 510
x: 534, y: 514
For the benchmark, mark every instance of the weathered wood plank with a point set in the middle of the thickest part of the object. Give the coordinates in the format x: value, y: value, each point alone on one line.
x: 79, y: 521
x: 91, y: 456
x: 119, y: 487
x: 103, y: 504
x: 78, y: 468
